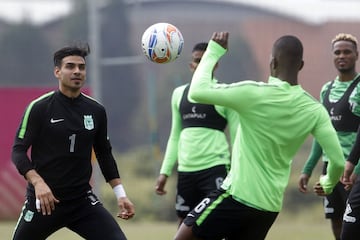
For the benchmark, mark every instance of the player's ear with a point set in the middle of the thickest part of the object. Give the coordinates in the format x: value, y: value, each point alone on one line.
x: 273, y: 63
x: 56, y: 72
x: 191, y: 66
x: 301, y: 65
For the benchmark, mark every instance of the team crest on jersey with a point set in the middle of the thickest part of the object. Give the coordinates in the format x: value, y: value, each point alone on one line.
x: 28, y: 216
x: 88, y: 122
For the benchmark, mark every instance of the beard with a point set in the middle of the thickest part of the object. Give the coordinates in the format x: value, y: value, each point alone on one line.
x: 346, y: 70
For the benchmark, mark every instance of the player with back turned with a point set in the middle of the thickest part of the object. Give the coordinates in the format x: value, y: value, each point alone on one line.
x: 61, y: 129
x: 275, y: 120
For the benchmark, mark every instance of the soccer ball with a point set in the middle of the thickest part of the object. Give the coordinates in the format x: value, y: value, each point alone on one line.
x: 162, y: 43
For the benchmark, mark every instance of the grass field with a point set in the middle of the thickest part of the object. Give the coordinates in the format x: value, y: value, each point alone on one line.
x: 310, y: 224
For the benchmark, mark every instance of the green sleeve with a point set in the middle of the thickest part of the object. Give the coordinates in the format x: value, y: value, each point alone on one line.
x: 202, y: 81
x: 204, y: 90
x: 232, y: 119
x: 171, y: 153
x: 313, y: 159
x: 326, y: 136
x: 233, y: 123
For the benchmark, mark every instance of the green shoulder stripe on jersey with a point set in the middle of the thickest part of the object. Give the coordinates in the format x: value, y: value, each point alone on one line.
x: 212, y: 206
x: 87, y: 96
x: 27, y: 112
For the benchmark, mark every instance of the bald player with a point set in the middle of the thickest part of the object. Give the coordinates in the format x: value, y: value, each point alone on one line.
x: 275, y: 119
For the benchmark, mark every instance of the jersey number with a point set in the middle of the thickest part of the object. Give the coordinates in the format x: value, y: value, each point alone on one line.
x: 72, y: 142
x: 202, y: 205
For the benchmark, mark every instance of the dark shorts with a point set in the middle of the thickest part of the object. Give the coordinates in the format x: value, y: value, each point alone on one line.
x: 219, y: 216
x: 351, y: 219
x: 194, y: 186
x: 86, y: 216
x: 335, y: 203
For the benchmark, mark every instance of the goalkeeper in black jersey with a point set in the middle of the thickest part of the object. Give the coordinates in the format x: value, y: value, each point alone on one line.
x: 60, y: 130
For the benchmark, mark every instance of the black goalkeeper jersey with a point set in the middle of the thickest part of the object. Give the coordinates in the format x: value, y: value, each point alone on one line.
x: 61, y: 133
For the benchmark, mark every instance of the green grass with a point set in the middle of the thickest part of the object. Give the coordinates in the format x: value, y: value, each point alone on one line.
x: 309, y: 224
x: 133, y: 230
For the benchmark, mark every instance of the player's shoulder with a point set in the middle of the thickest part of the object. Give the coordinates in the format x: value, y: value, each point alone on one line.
x: 357, y: 84
x: 91, y: 100
x: 181, y: 88
x: 44, y: 97
x: 326, y: 85
x: 94, y: 103
x: 313, y: 104
x: 251, y: 86
x: 42, y: 100
x: 178, y: 91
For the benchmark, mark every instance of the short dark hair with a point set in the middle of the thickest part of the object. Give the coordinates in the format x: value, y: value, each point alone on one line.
x: 79, y: 49
x: 200, y: 47
x: 290, y: 48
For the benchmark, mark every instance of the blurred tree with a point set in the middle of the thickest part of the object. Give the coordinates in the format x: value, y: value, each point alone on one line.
x: 25, y: 57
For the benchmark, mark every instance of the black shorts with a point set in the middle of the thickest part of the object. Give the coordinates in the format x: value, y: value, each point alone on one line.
x: 219, y: 216
x: 335, y: 202
x: 192, y: 187
x: 351, y: 219
x: 86, y: 216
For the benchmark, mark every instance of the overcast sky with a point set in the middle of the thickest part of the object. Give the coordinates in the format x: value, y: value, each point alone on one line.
x: 313, y: 11
x: 38, y: 11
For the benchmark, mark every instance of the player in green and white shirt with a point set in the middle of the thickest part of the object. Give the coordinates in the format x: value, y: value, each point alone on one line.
x: 275, y: 119
x: 198, y: 144
x: 341, y: 97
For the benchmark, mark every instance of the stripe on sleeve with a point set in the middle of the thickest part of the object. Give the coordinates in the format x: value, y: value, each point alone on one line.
x: 27, y: 113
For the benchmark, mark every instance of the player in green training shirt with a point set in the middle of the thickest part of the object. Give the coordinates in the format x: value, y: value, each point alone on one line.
x: 341, y: 98
x: 198, y: 143
x: 275, y: 119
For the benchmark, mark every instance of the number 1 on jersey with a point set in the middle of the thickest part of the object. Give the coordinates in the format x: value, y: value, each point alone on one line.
x: 72, y: 142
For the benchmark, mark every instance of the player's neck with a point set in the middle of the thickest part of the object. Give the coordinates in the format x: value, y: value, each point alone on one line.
x: 70, y: 93
x: 348, y: 76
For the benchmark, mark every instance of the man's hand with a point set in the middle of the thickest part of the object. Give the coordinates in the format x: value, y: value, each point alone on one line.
x: 160, y: 184
x: 45, y: 200
x: 303, y: 182
x: 127, y: 209
x: 318, y: 189
x: 221, y: 38
x: 348, y: 177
